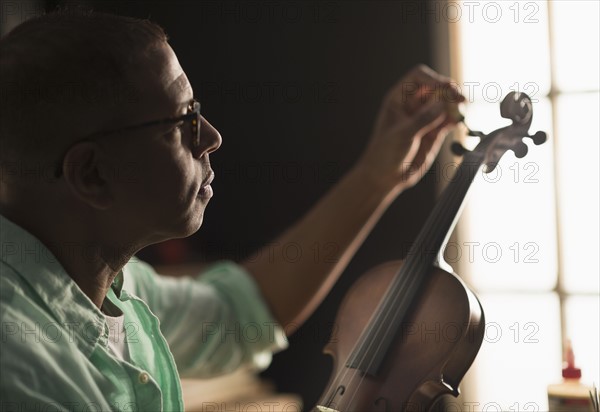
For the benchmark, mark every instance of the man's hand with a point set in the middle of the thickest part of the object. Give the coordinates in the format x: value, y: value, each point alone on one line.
x: 415, y: 116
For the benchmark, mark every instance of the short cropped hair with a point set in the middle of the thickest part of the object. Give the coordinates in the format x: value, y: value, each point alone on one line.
x: 66, y: 63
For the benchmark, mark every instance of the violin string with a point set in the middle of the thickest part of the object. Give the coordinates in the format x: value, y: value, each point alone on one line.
x: 398, y: 283
x: 381, y: 314
x: 409, y: 267
x: 379, y: 319
x: 436, y: 233
x: 409, y: 284
x: 432, y: 229
x: 406, y: 283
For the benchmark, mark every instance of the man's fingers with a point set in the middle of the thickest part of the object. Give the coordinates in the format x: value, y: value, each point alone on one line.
x: 429, y: 116
x: 420, y: 85
x: 426, y: 75
x: 428, y: 150
x: 422, y: 75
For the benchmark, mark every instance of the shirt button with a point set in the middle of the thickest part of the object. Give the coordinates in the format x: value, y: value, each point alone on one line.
x: 144, y: 378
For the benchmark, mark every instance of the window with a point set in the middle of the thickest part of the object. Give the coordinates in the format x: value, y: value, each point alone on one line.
x: 528, y: 239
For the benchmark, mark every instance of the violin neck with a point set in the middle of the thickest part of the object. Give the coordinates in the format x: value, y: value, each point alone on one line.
x: 440, y: 223
x: 412, y: 276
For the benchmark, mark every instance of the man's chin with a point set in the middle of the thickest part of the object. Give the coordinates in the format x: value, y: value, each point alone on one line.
x: 182, y: 230
x: 192, y: 226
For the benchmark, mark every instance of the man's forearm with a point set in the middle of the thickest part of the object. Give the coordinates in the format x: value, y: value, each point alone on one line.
x: 321, y: 245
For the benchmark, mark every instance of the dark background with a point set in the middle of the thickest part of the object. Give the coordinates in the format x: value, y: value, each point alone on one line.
x: 294, y: 88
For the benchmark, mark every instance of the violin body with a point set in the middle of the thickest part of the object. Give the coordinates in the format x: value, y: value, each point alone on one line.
x: 432, y: 350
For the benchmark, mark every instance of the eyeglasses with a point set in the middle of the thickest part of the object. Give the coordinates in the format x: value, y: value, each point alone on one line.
x: 193, y: 115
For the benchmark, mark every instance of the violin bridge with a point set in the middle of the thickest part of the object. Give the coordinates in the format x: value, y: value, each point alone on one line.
x: 320, y: 408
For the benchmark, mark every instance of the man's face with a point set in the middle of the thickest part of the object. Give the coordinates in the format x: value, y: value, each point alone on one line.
x: 159, y: 185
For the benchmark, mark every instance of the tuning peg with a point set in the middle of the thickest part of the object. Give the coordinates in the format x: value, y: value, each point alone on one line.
x: 475, y: 133
x: 458, y: 149
x: 490, y: 166
x: 520, y: 150
x: 539, y: 138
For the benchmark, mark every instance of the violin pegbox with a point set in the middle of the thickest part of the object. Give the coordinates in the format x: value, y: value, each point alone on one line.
x: 517, y: 107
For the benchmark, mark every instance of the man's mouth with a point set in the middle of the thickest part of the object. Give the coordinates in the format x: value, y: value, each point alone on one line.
x: 208, y: 179
x: 206, y: 191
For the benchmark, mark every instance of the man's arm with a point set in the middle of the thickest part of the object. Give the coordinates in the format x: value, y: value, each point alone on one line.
x: 408, y: 133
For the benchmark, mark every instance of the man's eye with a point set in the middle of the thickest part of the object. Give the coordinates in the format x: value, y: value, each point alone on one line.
x: 176, y: 127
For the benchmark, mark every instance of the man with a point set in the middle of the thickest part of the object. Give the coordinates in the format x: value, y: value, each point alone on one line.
x: 85, y: 326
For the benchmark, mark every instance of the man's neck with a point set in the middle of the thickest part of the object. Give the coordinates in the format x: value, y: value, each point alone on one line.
x: 91, y: 262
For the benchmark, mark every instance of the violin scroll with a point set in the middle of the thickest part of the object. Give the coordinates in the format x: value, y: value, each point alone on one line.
x: 517, y: 107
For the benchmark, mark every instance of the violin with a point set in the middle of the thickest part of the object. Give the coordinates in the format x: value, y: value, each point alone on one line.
x: 409, y: 330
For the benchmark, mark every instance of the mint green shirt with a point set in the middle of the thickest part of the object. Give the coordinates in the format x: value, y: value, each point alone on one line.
x: 54, y: 354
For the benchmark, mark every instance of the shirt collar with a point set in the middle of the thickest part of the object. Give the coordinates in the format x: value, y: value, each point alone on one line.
x: 117, y: 285
x: 64, y: 300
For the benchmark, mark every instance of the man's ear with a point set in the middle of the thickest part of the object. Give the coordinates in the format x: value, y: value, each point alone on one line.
x: 82, y: 170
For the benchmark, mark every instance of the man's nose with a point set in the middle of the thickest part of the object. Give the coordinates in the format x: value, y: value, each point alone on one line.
x: 210, y: 139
